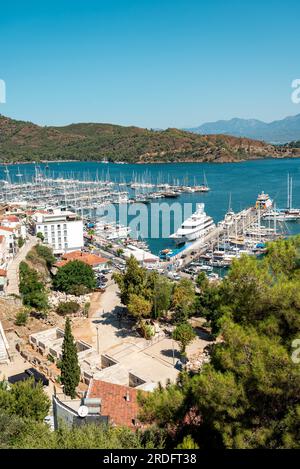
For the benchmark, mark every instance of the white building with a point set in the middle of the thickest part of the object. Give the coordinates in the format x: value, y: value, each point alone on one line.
x: 62, y: 230
x: 14, y: 222
x: 10, y: 241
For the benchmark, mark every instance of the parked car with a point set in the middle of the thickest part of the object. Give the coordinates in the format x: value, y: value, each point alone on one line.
x: 106, y: 271
x: 37, y: 376
x: 29, y: 373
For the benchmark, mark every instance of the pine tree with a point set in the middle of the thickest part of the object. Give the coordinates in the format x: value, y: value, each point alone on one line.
x: 70, y: 370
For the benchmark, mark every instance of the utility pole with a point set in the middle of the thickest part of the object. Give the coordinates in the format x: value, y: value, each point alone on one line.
x: 173, y: 352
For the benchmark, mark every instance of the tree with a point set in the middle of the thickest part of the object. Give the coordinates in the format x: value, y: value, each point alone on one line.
x: 40, y: 236
x: 21, y: 242
x: 184, y: 334
x: 139, y: 307
x: 248, y: 396
x: 74, y: 275
x: 208, y: 302
x: 183, y: 299
x: 70, y: 370
x: 133, y: 281
x: 32, y: 288
x: 159, y: 292
x: 187, y: 443
x: 46, y: 253
x: 25, y: 399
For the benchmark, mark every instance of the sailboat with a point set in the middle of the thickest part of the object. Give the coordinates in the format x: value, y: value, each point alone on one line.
x: 203, y: 187
x: 289, y: 213
x: 18, y: 174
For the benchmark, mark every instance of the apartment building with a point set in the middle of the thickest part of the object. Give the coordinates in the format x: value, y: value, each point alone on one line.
x: 62, y: 230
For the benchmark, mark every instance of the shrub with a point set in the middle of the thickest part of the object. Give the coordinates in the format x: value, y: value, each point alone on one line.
x: 40, y: 236
x: 31, y: 288
x: 46, y: 253
x: 86, y: 308
x: 21, y: 318
x: 67, y: 307
x: 20, y: 242
x: 147, y: 330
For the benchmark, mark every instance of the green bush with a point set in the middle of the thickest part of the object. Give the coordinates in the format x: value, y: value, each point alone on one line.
x: 21, y: 318
x: 46, y: 253
x: 86, y: 308
x: 40, y: 236
x: 31, y: 288
x: 67, y: 307
x: 21, y: 242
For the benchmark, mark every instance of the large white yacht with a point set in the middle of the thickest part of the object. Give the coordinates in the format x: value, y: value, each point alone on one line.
x: 194, y: 227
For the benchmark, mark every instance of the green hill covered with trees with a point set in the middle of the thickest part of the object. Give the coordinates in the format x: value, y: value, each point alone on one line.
x: 24, y: 141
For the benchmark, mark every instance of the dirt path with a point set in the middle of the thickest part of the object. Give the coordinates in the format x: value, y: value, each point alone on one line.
x: 101, y: 303
x: 13, y: 268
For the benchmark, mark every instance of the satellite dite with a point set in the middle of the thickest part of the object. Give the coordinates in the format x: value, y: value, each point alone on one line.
x: 2, y: 92
x: 83, y: 411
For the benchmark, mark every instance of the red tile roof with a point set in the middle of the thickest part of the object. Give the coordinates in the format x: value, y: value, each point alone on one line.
x: 2, y: 238
x: 3, y: 273
x: 6, y: 228
x: 113, y: 402
x: 90, y: 259
x: 11, y: 218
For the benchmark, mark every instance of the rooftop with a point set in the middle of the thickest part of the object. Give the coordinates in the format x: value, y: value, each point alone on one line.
x: 118, y: 402
x: 6, y: 228
x: 90, y: 259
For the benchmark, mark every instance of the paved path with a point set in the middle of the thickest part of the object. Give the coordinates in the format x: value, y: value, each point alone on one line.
x: 13, y: 268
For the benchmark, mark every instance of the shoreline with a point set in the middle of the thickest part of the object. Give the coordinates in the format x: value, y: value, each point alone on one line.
x: 259, y: 158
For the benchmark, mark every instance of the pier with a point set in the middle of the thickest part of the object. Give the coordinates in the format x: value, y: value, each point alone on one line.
x: 245, y: 227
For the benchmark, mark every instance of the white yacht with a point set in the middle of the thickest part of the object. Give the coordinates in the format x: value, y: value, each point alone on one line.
x: 112, y: 230
x: 263, y: 201
x: 194, y: 227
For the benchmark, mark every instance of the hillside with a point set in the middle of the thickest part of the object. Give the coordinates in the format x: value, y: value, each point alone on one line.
x: 280, y: 131
x: 24, y: 141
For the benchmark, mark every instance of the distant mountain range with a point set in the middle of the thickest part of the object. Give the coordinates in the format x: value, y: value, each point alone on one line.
x: 277, y: 132
x: 24, y: 141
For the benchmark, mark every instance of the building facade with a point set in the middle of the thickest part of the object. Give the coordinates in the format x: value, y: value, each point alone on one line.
x: 62, y: 230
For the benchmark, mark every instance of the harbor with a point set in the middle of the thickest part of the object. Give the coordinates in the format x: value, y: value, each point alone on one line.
x: 200, y: 242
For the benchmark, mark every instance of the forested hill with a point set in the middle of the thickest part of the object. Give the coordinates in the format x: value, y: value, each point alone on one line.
x: 24, y: 141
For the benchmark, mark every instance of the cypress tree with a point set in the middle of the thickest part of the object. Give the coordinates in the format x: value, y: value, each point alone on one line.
x: 70, y: 370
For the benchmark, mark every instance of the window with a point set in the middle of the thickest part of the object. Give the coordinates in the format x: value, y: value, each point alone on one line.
x: 65, y: 226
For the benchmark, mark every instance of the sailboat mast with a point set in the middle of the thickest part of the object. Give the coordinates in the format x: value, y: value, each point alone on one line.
x: 288, y: 191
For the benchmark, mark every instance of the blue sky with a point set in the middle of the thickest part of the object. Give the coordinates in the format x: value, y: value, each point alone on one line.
x: 151, y: 63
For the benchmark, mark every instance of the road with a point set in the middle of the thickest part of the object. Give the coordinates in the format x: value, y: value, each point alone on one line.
x: 13, y: 268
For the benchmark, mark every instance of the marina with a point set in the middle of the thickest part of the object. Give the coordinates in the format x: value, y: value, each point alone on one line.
x: 205, y: 241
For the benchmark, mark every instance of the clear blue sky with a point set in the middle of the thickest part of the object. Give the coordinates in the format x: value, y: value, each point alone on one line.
x: 151, y: 63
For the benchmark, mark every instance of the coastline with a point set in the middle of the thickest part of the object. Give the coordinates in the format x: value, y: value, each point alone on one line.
x: 196, y: 161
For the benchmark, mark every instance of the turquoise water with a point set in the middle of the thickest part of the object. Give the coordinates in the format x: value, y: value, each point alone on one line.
x: 243, y: 180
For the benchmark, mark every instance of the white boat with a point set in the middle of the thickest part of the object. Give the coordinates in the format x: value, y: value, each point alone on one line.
x: 288, y: 214
x: 263, y: 201
x: 195, y: 227
x: 112, y: 230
